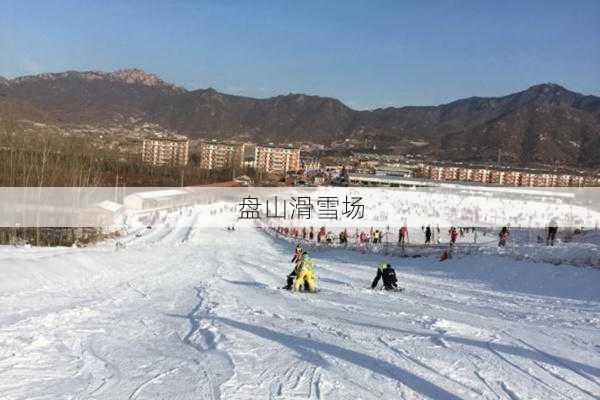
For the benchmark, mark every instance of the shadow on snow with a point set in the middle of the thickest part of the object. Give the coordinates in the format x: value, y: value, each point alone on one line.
x: 307, y: 348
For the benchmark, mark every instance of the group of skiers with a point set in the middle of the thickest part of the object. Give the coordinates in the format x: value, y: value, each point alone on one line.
x: 362, y: 237
x: 322, y: 235
x: 551, y: 231
x: 375, y: 236
x: 387, y: 274
x: 303, y: 275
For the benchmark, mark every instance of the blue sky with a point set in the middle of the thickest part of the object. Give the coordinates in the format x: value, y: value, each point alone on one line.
x: 366, y: 53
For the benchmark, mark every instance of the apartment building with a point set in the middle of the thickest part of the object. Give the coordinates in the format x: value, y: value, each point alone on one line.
x: 591, y: 181
x: 512, y: 178
x: 570, y: 180
x: 497, y: 177
x: 215, y: 155
x: 276, y: 159
x: 167, y: 151
x: 482, y: 175
x: 436, y: 173
x: 577, y: 181
x: 311, y: 164
x: 504, y: 177
x: 538, y: 180
x: 465, y: 174
x: 450, y: 173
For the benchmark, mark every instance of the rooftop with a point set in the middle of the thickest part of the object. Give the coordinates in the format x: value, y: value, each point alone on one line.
x: 161, y: 193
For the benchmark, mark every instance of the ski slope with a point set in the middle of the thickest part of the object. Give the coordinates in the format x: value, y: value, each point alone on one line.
x: 194, y: 313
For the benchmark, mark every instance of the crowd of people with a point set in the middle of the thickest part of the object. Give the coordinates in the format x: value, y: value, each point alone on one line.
x: 373, y: 235
x: 478, y: 209
x: 303, y: 275
x: 430, y: 235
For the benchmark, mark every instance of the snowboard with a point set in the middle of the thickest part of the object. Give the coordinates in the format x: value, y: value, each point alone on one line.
x: 382, y: 290
x: 398, y: 289
x: 300, y: 291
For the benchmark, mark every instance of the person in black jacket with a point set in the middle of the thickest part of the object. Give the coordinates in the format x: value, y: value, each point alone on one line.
x: 297, y: 253
x: 551, y: 232
x: 503, y: 236
x: 292, y: 275
x: 388, y: 275
x: 428, y: 235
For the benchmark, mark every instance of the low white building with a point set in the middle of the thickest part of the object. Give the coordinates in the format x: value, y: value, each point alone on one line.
x: 103, y: 214
x: 157, y: 199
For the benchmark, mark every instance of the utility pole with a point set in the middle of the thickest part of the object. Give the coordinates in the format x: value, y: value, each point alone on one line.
x: 116, y: 185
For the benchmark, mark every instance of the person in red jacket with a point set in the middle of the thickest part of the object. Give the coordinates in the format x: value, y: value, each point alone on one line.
x: 403, y: 235
x: 453, y: 235
x: 322, y: 233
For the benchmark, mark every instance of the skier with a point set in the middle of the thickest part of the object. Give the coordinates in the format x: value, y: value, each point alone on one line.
x: 445, y: 255
x: 503, y: 235
x: 343, y: 237
x: 321, y: 234
x: 552, y: 231
x: 363, y: 237
x: 388, y: 275
x: 294, y: 274
x: 403, y: 235
x: 305, y: 275
x: 428, y: 235
x: 329, y: 237
x: 453, y: 235
x: 376, y: 236
x: 297, y: 253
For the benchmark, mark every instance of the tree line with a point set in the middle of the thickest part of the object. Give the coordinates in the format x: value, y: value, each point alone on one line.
x: 46, y: 159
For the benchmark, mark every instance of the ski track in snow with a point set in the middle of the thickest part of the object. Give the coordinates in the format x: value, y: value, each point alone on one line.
x: 189, y: 313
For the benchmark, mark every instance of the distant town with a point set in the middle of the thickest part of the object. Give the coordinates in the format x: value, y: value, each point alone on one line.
x: 314, y: 165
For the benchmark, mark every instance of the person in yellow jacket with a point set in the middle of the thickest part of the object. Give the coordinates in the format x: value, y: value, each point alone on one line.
x: 305, y: 274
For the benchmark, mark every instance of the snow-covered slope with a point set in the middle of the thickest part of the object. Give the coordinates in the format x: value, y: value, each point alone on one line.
x: 189, y: 313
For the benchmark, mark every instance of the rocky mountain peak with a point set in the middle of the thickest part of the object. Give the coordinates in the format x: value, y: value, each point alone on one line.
x: 137, y: 76
x: 545, y: 123
x: 132, y: 76
x: 550, y: 90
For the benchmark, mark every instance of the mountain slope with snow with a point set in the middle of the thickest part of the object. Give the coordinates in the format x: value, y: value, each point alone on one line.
x: 185, y: 313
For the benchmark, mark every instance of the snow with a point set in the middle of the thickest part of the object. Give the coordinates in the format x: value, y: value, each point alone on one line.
x: 110, y: 206
x: 185, y: 312
x: 155, y: 194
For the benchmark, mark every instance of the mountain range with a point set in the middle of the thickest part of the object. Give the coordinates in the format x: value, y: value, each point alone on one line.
x: 544, y: 124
